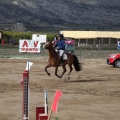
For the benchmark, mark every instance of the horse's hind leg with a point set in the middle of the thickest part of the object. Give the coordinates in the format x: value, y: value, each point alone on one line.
x: 46, y: 69
x: 64, y: 70
x: 70, y: 66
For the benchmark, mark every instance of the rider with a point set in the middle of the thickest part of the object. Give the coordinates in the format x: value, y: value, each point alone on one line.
x: 60, y: 45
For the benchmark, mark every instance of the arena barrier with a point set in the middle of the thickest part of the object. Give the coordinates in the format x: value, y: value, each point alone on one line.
x: 41, y: 112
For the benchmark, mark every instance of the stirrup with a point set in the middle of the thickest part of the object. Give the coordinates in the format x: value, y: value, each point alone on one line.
x: 61, y: 63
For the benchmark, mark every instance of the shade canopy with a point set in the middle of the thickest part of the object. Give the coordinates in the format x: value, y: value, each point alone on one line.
x: 91, y: 34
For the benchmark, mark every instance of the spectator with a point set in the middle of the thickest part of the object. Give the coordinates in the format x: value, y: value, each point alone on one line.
x: 12, y: 41
x: 3, y: 42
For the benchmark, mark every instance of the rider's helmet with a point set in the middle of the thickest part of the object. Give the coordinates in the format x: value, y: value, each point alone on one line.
x: 61, y: 36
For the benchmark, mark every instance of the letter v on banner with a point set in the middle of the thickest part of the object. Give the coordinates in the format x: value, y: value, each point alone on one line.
x: 35, y: 43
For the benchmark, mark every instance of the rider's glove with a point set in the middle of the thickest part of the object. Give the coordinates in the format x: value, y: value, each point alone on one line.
x: 57, y: 48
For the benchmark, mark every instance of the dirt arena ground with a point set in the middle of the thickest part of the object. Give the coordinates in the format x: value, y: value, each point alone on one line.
x: 91, y: 94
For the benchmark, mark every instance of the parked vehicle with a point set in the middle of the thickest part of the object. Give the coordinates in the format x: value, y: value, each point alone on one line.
x: 114, y: 59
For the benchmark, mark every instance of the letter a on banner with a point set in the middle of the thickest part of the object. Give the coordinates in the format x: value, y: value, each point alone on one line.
x: 25, y: 44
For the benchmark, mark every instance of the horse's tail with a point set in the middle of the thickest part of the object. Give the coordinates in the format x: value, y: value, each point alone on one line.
x: 77, y: 65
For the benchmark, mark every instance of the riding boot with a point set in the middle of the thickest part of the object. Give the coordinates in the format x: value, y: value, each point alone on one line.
x: 61, y: 60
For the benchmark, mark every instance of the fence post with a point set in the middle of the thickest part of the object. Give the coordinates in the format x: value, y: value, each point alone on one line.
x: 80, y: 52
x: 43, y: 52
x: 4, y: 52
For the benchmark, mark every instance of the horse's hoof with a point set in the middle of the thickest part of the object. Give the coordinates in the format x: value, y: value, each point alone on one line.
x: 49, y: 74
x: 68, y: 78
x: 59, y: 76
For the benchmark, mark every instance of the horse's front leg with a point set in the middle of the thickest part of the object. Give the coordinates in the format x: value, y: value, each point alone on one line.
x: 46, y: 69
x: 56, y: 69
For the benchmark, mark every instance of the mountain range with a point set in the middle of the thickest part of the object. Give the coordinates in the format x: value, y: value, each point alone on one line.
x: 38, y: 15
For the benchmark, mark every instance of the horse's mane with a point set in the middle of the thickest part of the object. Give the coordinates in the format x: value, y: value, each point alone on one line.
x: 51, y: 49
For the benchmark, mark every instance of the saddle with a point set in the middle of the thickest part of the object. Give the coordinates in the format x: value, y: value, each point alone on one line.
x: 64, y: 55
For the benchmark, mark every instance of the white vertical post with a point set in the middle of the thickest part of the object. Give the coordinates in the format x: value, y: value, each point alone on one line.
x: 46, y: 104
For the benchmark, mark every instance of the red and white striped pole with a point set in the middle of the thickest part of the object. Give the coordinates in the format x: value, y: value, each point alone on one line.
x: 26, y: 92
x: 25, y: 86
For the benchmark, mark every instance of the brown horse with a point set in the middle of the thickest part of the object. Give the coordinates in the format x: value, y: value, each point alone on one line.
x: 54, y: 61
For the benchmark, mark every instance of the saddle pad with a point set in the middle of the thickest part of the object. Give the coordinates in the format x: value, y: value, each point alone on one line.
x: 65, y: 57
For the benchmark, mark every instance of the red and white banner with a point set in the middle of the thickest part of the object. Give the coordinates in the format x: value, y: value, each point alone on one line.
x: 32, y: 46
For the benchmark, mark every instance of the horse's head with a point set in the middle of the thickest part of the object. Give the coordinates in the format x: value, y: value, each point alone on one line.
x: 48, y: 45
